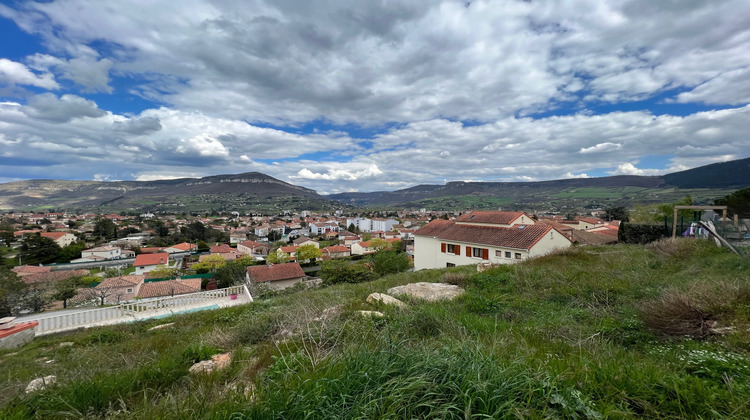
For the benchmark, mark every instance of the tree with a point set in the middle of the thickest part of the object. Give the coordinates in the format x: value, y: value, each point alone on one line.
x: 274, y: 235
x: 210, y: 263
x: 65, y: 289
x: 71, y: 252
x: 233, y: 272
x: 37, y: 249
x: 6, y: 233
x: 162, y: 271
x: 390, y: 262
x: 343, y: 271
x: 308, y: 252
x: 105, y: 228
x: 617, y: 213
x: 278, y: 257
x: 10, y: 288
x: 737, y: 202
x: 202, y: 246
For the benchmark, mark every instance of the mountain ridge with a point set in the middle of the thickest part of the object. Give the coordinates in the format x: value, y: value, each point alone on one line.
x: 255, y: 190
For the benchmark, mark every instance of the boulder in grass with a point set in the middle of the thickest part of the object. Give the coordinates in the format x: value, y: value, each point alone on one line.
x: 431, y: 292
x: 39, y: 384
x: 372, y: 314
x: 376, y: 298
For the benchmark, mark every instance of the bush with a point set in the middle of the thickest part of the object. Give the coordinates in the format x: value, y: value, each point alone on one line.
x: 342, y: 271
x: 696, y: 312
x: 673, y: 247
x: 390, y: 262
x: 640, y: 233
x: 194, y: 353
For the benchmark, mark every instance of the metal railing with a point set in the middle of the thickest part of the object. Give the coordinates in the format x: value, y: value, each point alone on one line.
x: 134, y: 310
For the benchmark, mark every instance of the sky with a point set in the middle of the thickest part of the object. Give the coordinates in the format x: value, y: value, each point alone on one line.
x: 344, y: 96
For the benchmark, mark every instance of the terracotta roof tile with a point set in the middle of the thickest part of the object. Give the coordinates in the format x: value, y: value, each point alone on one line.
x: 519, y: 237
x: 491, y: 217
x: 169, y: 288
x: 142, y: 260
x: 275, y: 272
x: 121, y: 281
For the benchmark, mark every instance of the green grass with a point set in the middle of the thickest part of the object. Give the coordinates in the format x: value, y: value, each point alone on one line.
x: 556, y: 337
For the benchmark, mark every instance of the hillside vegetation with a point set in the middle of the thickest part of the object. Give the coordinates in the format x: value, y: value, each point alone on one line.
x: 658, y: 331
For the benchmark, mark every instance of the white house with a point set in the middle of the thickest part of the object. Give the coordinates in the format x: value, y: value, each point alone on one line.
x: 145, y: 263
x: 62, y: 239
x: 106, y: 252
x: 320, y: 227
x: 494, y: 238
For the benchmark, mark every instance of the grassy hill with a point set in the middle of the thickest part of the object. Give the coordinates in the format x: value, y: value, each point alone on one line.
x: 657, y: 331
x: 251, y: 191
x: 704, y: 184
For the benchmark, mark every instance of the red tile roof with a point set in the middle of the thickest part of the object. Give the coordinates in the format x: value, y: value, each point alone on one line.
x: 253, y: 244
x: 53, y: 235
x: 142, y: 260
x: 184, y: 246
x: 169, y: 288
x: 275, y: 272
x: 22, y: 270
x: 53, y: 276
x: 220, y: 249
x: 121, y: 281
x: 289, y: 249
x: 491, y: 217
x: 335, y: 248
x: 519, y: 237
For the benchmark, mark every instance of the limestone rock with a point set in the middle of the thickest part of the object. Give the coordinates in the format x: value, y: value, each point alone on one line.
x: 428, y: 291
x: 39, y: 384
x: 217, y: 362
x: 372, y: 314
x: 66, y: 344
x: 376, y: 298
x: 158, y: 327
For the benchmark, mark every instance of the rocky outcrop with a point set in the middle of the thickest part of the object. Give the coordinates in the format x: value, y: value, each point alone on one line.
x: 431, y: 292
x: 217, y: 362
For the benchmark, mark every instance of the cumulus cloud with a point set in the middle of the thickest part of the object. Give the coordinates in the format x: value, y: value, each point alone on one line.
x: 340, y: 174
x: 630, y: 169
x: 601, y: 148
x: 90, y: 73
x: 138, y: 126
x: 13, y: 73
x: 364, y: 63
x: 49, y: 107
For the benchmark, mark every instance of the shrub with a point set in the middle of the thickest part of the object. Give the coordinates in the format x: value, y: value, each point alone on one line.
x: 196, y: 352
x: 456, y: 279
x: 390, y: 262
x: 696, y: 312
x: 342, y: 271
x: 673, y: 247
x: 640, y: 233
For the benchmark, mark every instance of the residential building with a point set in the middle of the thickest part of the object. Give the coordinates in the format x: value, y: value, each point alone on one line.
x: 106, y: 252
x: 484, y: 237
x: 117, y: 290
x: 305, y: 241
x: 335, y: 251
x: 276, y: 276
x: 62, y: 239
x: 166, y: 288
x: 145, y: 263
x: 253, y: 248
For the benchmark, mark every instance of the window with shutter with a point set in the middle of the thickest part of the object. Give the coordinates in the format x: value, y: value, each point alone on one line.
x: 458, y: 250
x: 485, y: 254
x: 442, y: 248
x: 468, y: 251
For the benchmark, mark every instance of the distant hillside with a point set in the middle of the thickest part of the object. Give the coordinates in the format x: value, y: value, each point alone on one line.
x: 251, y: 190
x: 703, y: 183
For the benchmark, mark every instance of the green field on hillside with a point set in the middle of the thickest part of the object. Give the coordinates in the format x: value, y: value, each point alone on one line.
x: 625, y: 331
